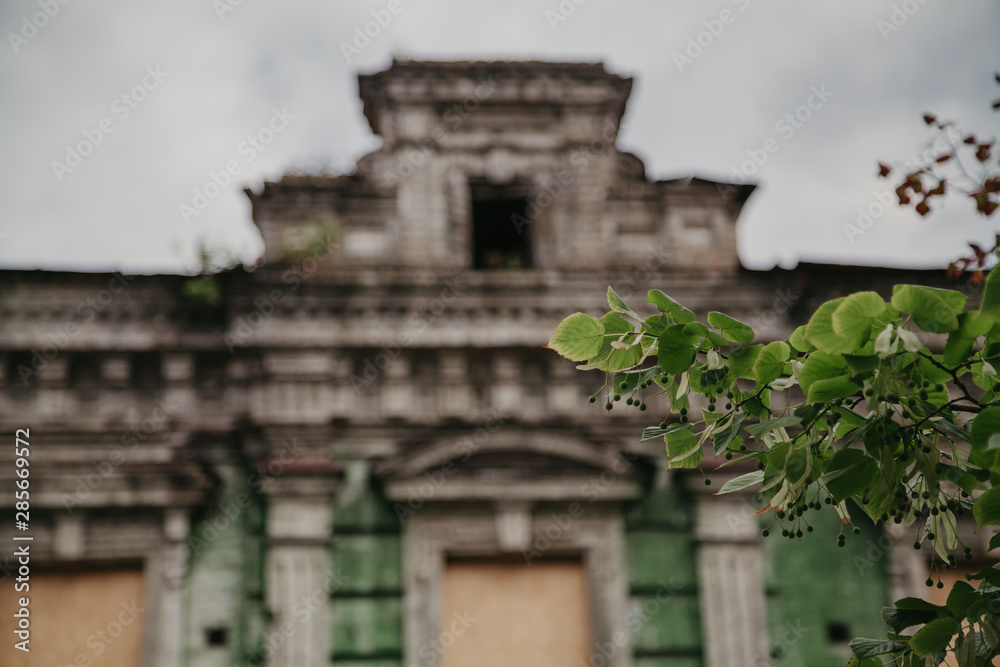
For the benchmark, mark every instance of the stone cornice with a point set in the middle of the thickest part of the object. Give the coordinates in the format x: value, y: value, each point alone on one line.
x: 526, y: 83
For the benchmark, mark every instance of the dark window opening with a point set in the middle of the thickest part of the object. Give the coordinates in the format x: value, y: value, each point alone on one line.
x: 838, y: 633
x: 500, y: 232
x: 23, y: 369
x: 215, y: 636
x: 147, y: 372
x: 210, y: 374
x: 85, y: 370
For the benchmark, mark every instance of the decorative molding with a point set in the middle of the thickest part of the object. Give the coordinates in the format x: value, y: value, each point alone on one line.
x: 433, y: 535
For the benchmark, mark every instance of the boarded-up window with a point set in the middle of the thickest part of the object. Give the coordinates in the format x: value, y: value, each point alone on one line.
x: 500, y: 613
x: 92, y: 618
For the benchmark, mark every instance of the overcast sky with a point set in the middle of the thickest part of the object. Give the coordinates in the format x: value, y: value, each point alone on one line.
x: 199, y: 77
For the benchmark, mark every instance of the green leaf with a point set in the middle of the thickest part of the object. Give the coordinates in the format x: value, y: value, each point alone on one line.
x: 869, y: 662
x: 820, y: 366
x: 651, y: 432
x: 717, y: 340
x: 667, y: 305
x: 799, y: 341
x: 872, y: 648
x: 961, y: 596
x: 994, y: 542
x: 900, y: 619
x: 771, y: 361
x: 619, y: 306
x: 614, y: 360
x: 934, y: 637
x: 741, y: 360
x: 822, y: 391
x: 990, y: 305
x: 862, y: 363
x: 953, y: 430
x: 933, y: 310
x: 967, y: 651
x: 695, y: 329
x: 991, y: 573
x: 971, y: 325
x: 727, y: 434
x: 757, y: 430
x: 820, y: 331
x: 990, y: 634
x: 777, y: 456
x: 684, y: 449
x: 797, y: 465
x: 656, y: 324
x: 986, y: 509
x: 849, y: 473
x: 579, y: 337
x: 917, y: 604
x: 985, y: 429
x: 733, y: 330
x: 676, y: 350
x: 742, y: 482
x: 957, y: 349
x: 856, y: 314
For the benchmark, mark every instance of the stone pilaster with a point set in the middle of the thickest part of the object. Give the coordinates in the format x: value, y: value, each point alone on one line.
x: 731, y: 579
x: 299, y: 573
x: 170, y: 567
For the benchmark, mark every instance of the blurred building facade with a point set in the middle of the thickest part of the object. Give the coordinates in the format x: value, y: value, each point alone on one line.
x: 360, y: 453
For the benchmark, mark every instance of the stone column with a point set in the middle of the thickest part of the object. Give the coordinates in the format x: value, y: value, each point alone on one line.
x: 170, y: 571
x: 299, y: 572
x: 907, y: 566
x: 731, y: 576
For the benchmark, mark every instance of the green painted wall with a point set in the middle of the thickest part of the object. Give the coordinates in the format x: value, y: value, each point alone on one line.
x: 225, y: 574
x: 819, y: 593
x: 663, y: 617
x: 816, y: 591
x: 367, y: 608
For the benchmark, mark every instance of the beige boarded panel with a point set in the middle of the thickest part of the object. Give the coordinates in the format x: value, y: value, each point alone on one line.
x: 84, y: 619
x: 502, y: 613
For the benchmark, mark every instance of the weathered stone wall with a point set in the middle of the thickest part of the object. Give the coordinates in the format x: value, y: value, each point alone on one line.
x: 252, y: 453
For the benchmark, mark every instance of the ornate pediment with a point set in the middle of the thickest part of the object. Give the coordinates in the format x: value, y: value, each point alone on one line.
x: 509, y: 463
